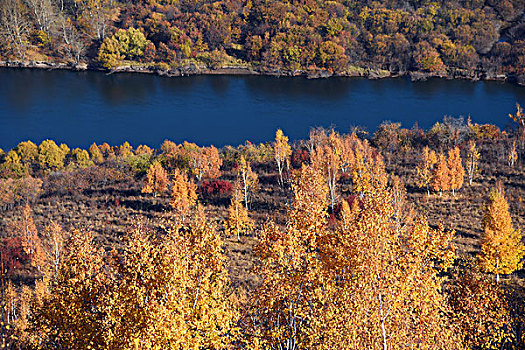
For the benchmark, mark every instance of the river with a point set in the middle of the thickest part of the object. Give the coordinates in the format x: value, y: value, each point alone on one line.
x: 79, y: 108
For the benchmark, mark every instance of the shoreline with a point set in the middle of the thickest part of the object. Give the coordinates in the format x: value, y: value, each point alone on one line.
x: 193, y: 69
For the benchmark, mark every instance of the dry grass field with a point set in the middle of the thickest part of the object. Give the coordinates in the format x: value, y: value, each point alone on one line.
x: 91, y: 200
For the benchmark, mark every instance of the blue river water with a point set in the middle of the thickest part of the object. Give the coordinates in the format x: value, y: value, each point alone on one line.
x: 79, y: 108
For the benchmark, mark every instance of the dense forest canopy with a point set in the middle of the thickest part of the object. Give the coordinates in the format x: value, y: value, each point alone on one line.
x: 465, y: 38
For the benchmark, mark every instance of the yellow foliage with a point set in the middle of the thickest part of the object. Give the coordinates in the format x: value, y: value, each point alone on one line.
x: 479, y: 309
x: 425, y: 168
x: 183, y: 193
x: 248, y: 178
x: 238, y: 221
x: 472, y: 161
x: 156, y: 180
x: 282, y: 152
x: 204, y: 161
x: 370, y: 283
x: 441, y: 178
x: 70, y: 312
x: 455, y: 169
x: 501, y: 247
x: 96, y: 154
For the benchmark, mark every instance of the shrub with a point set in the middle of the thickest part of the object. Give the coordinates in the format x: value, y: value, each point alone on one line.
x: 215, y: 188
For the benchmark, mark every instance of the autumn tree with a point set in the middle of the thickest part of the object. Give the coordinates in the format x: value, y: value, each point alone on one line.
x: 203, y: 161
x: 21, y: 325
x: 96, y: 16
x: 316, y: 138
x: 282, y: 152
x: 183, y: 193
x: 513, y: 155
x: 441, y: 177
x: 129, y: 43
x: 106, y: 150
x: 238, y: 221
x: 353, y: 287
x: 248, y: 178
x: 479, y: 309
x: 15, y: 26
x: 149, y: 286
x: 96, y: 154
x: 24, y: 190
x: 455, y: 170
x: 80, y: 158
x: 70, y: 314
x: 44, y: 15
x: 54, y: 243
x: 26, y: 229
x: 27, y: 189
x: 14, y: 165
x: 125, y: 150
x: 28, y: 153
x: 387, y: 138
x: 367, y: 170
x: 472, y: 161
x: 170, y: 153
x: 50, y: 156
x: 381, y: 272
x: 283, y: 304
x: 10, y: 316
x: 73, y: 38
x: 326, y: 157
x: 425, y: 168
x: 144, y: 150
x: 501, y: 247
x: 347, y: 146
x: 212, y: 317
x: 181, y: 279
x: 156, y: 180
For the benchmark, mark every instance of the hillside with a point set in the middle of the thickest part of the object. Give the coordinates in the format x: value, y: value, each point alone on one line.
x: 462, y: 39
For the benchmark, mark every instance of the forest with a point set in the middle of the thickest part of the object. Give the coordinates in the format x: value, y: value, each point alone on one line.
x: 473, y: 39
x: 404, y: 238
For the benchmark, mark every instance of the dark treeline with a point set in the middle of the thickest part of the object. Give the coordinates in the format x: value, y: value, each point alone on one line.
x: 471, y: 38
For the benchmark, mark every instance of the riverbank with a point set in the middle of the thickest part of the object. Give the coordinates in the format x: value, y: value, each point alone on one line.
x: 195, y: 69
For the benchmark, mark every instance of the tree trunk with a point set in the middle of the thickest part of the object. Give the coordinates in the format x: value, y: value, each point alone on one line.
x: 382, y: 318
x: 497, y: 270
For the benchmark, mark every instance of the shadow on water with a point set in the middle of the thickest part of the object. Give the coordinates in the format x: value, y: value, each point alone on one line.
x: 180, y: 85
x: 299, y: 87
x: 122, y: 88
x: 220, y: 84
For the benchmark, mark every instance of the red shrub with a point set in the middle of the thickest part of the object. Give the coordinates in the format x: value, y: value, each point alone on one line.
x: 216, y: 188
x: 12, y: 254
x: 299, y: 157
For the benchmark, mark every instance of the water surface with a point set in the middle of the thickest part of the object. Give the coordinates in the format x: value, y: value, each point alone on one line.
x: 79, y: 108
